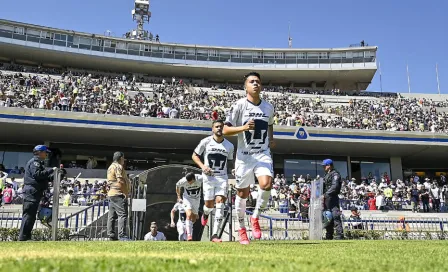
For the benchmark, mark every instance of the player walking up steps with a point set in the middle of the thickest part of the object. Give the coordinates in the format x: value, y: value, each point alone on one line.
x: 191, y: 198
x: 180, y: 225
x: 217, y: 152
x: 252, y: 119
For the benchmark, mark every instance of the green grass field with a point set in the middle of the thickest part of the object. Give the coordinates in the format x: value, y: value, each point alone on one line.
x: 198, y: 256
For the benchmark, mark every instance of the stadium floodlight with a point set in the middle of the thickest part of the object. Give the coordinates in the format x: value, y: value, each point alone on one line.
x: 140, y: 14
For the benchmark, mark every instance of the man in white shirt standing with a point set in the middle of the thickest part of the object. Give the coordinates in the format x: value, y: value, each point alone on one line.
x: 153, y: 234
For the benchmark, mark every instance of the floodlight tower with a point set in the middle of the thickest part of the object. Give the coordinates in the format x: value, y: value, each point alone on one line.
x: 140, y: 14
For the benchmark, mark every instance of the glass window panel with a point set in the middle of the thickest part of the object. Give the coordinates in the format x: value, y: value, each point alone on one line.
x: 109, y: 50
x: 33, y: 32
x: 313, y: 55
x: 191, y: 51
x: 60, y: 43
x: 121, y: 45
x: 13, y: 159
x: 120, y: 51
x: 20, y: 37
x: 375, y: 169
x: 301, y: 55
x: 300, y: 167
x: 32, y: 38
x: 5, y: 34
x: 133, y: 46
x: 340, y: 166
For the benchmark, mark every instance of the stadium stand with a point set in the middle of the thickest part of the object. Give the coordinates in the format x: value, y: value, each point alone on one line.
x: 108, y: 93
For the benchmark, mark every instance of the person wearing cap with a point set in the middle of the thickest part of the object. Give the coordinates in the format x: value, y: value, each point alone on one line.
x: 332, y: 189
x: 118, y: 197
x: 35, y: 181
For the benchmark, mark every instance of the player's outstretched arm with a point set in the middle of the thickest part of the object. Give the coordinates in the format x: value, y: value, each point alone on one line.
x: 230, y: 167
x: 230, y: 130
x: 206, y: 170
x: 178, y: 192
x: 271, y: 136
x: 173, y: 211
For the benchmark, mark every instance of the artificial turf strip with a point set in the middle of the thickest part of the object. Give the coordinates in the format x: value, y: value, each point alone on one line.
x: 199, y: 256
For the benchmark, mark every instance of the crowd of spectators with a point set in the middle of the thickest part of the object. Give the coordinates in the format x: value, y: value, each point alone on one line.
x: 396, y: 114
x: 121, y: 95
x: 369, y: 193
x: 72, y: 192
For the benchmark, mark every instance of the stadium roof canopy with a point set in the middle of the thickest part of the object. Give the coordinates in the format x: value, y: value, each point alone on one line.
x: 350, y: 68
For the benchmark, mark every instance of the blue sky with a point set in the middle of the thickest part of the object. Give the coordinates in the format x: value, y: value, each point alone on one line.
x: 411, y: 31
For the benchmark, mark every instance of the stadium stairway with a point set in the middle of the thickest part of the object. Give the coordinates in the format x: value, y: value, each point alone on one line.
x: 79, y: 219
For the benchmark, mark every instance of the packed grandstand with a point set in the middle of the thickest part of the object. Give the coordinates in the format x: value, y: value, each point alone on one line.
x: 156, y: 97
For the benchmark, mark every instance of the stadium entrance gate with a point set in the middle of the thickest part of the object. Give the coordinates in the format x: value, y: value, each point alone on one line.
x: 154, y: 195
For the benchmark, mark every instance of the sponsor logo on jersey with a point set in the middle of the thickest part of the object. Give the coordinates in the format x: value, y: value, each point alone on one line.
x: 256, y: 114
x: 218, y: 150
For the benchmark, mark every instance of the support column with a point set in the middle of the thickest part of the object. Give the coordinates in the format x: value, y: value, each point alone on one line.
x: 396, y: 168
x: 47, y: 161
x: 349, y: 167
x: 313, y: 86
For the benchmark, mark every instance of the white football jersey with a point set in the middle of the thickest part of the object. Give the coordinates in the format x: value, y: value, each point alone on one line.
x: 191, y: 190
x: 179, y: 207
x: 215, y: 154
x: 257, y: 140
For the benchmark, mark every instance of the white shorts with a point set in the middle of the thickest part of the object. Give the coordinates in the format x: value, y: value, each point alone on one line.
x: 191, y: 204
x: 247, y: 167
x: 180, y: 227
x: 214, y: 186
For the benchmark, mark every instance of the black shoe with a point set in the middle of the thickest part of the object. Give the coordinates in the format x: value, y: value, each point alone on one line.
x: 339, y: 238
x: 112, y: 238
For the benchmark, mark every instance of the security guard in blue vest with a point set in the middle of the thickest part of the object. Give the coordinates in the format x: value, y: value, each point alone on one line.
x: 332, y: 189
x: 36, y: 181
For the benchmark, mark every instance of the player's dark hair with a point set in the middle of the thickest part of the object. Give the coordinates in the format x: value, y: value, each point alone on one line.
x: 189, y: 176
x: 252, y: 74
x: 218, y: 121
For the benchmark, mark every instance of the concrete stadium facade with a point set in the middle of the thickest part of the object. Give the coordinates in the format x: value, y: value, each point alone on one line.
x: 350, y: 68
x: 174, y: 140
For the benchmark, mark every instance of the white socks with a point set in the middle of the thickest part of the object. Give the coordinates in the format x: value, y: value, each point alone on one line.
x: 189, y: 226
x: 262, y: 201
x: 218, y: 217
x: 240, y: 207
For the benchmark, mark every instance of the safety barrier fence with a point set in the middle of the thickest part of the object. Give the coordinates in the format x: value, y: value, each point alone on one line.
x: 345, y: 204
x: 280, y: 227
x: 85, y: 224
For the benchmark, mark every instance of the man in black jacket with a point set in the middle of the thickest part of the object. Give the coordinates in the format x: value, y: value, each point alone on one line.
x: 36, y: 181
x: 332, y: 188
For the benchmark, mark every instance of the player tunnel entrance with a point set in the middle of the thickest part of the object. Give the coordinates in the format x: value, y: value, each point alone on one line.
x: 158, y: 186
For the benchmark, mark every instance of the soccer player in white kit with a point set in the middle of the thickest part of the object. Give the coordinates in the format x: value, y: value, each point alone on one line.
x: 252, y: 119
x: 217, y: 153
x: 180, y: 225
x: 191, y: 198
